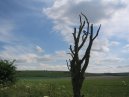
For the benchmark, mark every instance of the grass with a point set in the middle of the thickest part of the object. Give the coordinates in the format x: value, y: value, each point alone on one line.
x: 38, y: 88
x: 61, y: 87
x: 107, y: 87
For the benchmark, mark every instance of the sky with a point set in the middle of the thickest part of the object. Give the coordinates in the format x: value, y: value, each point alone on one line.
x: 37, y: 33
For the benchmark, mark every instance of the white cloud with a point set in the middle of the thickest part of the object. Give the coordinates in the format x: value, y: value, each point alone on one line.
x: 6, y: 29
x: 26, y: 58
x: 12, y: 51
x: 114, y: 43
x: 112, y: 14
x: 117, y: 26
x: 104, y: 45
x: 57, y: 67
x: 61, y: 54
x: 108, y: 69
x: 42, y: 66
x: 112, y: 60
x: 34, y: 58
x: 106, y: 63
x: 101, y: 45
x: 46, y: 57
x: 29, y: 58
x: 126, y: 48
x: 68, y: 12
x: 39, y: 49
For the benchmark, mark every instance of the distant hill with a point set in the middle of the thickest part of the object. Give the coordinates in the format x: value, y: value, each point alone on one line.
x: 108, y: 74
x: 51, y: 74
x: 57, y: 74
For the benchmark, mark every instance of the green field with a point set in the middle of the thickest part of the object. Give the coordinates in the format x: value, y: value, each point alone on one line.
x: 101, y: 86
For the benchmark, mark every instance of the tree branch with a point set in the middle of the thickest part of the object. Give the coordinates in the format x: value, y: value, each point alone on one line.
x: 71, y: 54
x: 85, y: 66
x: 91, y: 30
x: 88, y: 24
x: 71, y: 49
x: 74, y: 35
x: 80, y: 19
x: 97, y: 32
x: 68, y: 65
x: 80, y: 30
x: 85, y: 18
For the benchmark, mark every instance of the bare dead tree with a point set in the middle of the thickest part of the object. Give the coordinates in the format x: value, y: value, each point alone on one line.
x: 77, y: 65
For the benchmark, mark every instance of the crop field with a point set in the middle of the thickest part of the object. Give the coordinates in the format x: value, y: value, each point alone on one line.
x: 101, y: 86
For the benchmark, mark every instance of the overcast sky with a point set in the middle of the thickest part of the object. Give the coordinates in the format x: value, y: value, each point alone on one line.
x: 37, y: 33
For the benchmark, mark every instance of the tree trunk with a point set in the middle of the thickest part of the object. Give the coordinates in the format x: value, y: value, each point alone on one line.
x: 77, y: 82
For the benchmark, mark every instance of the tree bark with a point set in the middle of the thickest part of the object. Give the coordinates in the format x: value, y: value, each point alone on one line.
x: 77, y: 82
